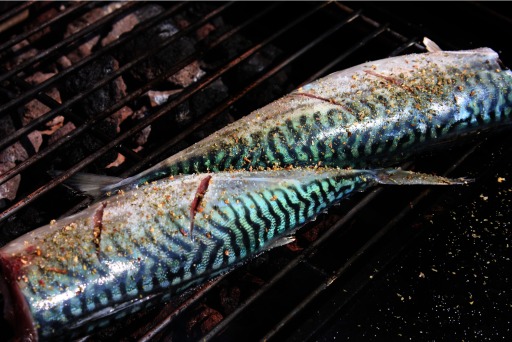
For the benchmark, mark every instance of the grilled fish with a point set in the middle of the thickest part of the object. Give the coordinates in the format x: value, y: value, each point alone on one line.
x: 143, y: 245
x: 371, y: 115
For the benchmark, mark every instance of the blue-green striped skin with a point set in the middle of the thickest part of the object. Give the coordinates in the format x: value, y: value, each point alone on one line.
x: 372, y: 115
x: 128, y: 251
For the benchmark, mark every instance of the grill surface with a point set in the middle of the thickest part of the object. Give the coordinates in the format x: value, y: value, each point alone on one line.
x: 393, y: 263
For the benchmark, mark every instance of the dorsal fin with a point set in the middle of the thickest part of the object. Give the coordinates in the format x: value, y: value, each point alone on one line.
x: 431, y: 46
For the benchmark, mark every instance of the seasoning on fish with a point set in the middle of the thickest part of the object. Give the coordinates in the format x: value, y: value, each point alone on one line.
x: 127, y: 252
x: 371, y: 115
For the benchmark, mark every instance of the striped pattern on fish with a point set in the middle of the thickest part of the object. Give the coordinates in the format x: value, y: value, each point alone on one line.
x: 138, y: 247
x: 371, y: 115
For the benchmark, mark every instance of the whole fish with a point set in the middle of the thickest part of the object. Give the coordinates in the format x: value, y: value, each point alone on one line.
x: 141, y: 246
x: 371, y: 115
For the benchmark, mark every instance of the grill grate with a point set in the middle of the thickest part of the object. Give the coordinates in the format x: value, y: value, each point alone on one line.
x: 335, y: 258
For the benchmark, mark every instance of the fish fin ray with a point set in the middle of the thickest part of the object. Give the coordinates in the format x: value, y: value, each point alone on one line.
x: 431, y: 46
x: 402, y: 177
x: 92, y: 184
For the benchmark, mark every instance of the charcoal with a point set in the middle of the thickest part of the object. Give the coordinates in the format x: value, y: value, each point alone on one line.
x: 22, y: 223
x: 119, y: 160
x: 158, y: 63
x: 41, y: 19
x: 87, y: 77
x: 61, y: 132
x: 34, y: 109
x: 88, y: 18
x: 80, y: 148
x: 23, y: 51
x: 228, y: 50
x: 198, y: 106
x: 92, y: 105
x: 125, y: 24
x: 8, y: 159
x: 202, y: 321
x: 8, y: 189
x: 229, y: 298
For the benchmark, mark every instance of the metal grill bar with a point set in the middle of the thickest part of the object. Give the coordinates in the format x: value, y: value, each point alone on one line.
x: 52, y: 104
x: 165, y: 75
x: 14, y: 11
x: 376, y: 24
x: 327, y: 285
x: 86, y: 60
x: 46, y: 84
x: 347, y: 53
x: 404, y: 46
x: 52, y: 113
x: 54, y: 20
x: 70, y: 40
x: 162, y: 325
x: 371, y: 243
x: 293, y: 263
x: 234, y: 98
x: 187, y: 93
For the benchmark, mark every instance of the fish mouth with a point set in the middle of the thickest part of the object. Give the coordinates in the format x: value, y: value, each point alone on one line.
x: 15, y: 311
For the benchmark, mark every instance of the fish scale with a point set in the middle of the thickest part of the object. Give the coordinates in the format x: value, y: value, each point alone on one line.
x: 371, y: 115
x: 73, y: 279
x: 147, y: 241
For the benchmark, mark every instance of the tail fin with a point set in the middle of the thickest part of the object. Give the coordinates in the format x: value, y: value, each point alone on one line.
x: 401, y: 177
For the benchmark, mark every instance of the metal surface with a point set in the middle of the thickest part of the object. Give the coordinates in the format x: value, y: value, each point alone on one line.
x: 302, y: 292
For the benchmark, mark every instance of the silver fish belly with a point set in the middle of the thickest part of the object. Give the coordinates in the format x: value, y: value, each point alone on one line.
x: 140, y: 247
x: 371, y: 115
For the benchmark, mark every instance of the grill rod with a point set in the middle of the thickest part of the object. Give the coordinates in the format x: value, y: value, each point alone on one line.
x: 54, y: 112
x: 347, y: 53
x: 44, y: 85
x: 186, y: 94
x: 9, y: 15
x: 28, y: 95
x: 371, y: 243
x: 193, y: 57
x: 223, y: 107
x: 71, y: 40
x: 52, y: 104
x: 55, y: 19
x: 234, y: 98
x: 335, y: 228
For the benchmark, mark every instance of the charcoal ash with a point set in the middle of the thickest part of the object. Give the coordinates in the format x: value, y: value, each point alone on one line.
x: 159, y: 97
